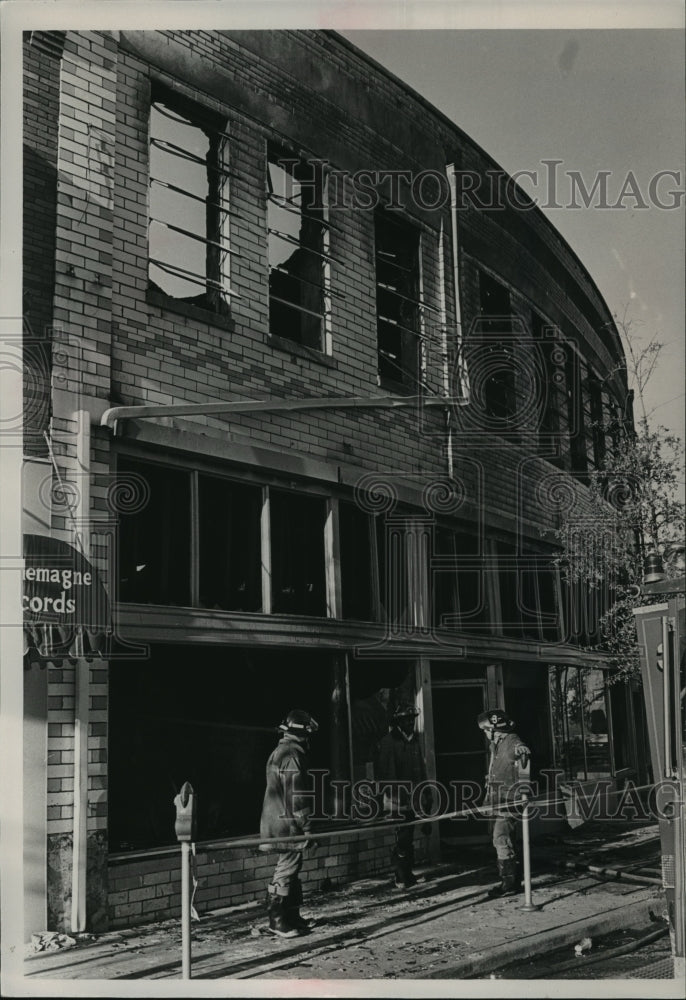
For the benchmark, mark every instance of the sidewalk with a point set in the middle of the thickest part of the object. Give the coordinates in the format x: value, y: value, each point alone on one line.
x: 443, y: 928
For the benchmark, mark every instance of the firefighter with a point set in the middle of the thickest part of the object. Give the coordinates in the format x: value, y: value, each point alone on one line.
x: 508, y: 754
x: 399, y: 758
x: 286, y: 812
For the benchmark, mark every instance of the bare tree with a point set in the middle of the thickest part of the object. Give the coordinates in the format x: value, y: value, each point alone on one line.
x: 631, y: 507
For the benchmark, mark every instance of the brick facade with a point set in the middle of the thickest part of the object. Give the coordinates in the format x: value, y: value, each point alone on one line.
x: 86, y: 262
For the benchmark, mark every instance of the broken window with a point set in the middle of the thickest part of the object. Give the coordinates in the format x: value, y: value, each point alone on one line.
x: 208, y: 715
x: 296, y: 231
x: 188, y: 229
x: 397, y: 301
x: 297, y: 553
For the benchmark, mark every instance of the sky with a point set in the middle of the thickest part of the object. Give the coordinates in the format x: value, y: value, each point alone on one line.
x: 597, y: 100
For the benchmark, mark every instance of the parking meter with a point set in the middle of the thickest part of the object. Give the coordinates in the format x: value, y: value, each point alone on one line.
x: 186, y: 813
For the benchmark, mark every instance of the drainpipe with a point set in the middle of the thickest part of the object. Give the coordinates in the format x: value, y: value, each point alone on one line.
x: 461, y: 368
x: 81, y: 678
x: 445, y: 360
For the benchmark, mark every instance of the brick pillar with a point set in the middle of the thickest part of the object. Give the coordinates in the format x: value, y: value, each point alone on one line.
x: 81, y: 381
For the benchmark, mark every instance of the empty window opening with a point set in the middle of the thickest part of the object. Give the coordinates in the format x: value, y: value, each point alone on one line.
x: 188, y: 232
x: 296, y: 229
x: 397, y: 301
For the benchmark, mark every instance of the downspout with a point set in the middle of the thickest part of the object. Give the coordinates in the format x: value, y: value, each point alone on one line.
x: 445, y: 360
x: 460, y: 363
x: 81, y: 688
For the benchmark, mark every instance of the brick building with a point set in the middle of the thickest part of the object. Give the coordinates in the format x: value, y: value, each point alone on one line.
x: 269, y: 218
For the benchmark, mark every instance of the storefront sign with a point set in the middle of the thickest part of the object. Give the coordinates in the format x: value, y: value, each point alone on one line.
x: 66, y: 610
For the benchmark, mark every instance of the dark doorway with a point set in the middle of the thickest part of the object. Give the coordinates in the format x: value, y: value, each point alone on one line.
x: 461, y: 753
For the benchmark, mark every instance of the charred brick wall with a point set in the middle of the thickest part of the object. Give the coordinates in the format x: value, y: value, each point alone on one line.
x: 86, y: 261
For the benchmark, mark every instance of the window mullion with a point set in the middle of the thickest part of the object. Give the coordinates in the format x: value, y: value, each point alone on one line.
x: 610, y: 728
x: 195, y: 539
x: 266, y: 552
x: 332, y: 559
x: 374, y: 567
x: 582, y: 719
x: 493, y: 587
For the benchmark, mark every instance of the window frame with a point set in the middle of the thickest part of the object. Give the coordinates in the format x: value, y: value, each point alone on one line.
x: 581, y: 675
x: 277, y: 151
x: 411, y: 379
x: 208, y: 468
x: 214, y: 304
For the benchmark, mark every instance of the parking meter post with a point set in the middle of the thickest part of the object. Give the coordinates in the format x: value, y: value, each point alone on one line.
x: 185, y: 829
x: 185, y: 910
x: 526, y: 853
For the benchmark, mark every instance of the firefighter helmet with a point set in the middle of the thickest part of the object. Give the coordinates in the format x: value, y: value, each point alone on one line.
x: 299, y: 722
x: 495, y: 718
x: 406, y: 710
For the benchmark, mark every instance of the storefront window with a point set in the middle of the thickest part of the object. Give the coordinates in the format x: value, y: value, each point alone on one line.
x: 209, y: 716
x: 595, y: 714
x: 579, y: 720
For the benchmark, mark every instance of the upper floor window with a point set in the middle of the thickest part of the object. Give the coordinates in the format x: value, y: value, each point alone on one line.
x: 529, y: 604
x: 297, y: 249
x: 188, y: 227
x: 459, y: 597
x: 397, y: 301
x: 553, y: 430
x: 495, y: 374
x: 612, y: 422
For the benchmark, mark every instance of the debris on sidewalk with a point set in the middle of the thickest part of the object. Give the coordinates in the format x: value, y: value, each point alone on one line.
x: 443, y: 928
x: 51, y: 941
x: 582, y: 947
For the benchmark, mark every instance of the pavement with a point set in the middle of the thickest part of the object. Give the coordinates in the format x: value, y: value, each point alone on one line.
x: 444, y: 928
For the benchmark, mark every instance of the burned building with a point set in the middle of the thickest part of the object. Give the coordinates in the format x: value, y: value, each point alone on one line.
x: 309, y: 383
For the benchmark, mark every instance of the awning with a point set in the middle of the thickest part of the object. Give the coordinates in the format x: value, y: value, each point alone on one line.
x: 66, y: 610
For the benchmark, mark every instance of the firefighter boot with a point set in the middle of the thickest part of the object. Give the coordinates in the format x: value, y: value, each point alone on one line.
x: 509, y: 883
x: 294, y: 901
x: 402, y: 870
x: 278, y: 917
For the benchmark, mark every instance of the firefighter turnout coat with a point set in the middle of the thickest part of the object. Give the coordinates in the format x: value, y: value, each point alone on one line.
x: 503, y: 768
x: 400, y: 760
x: 286, y: 810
